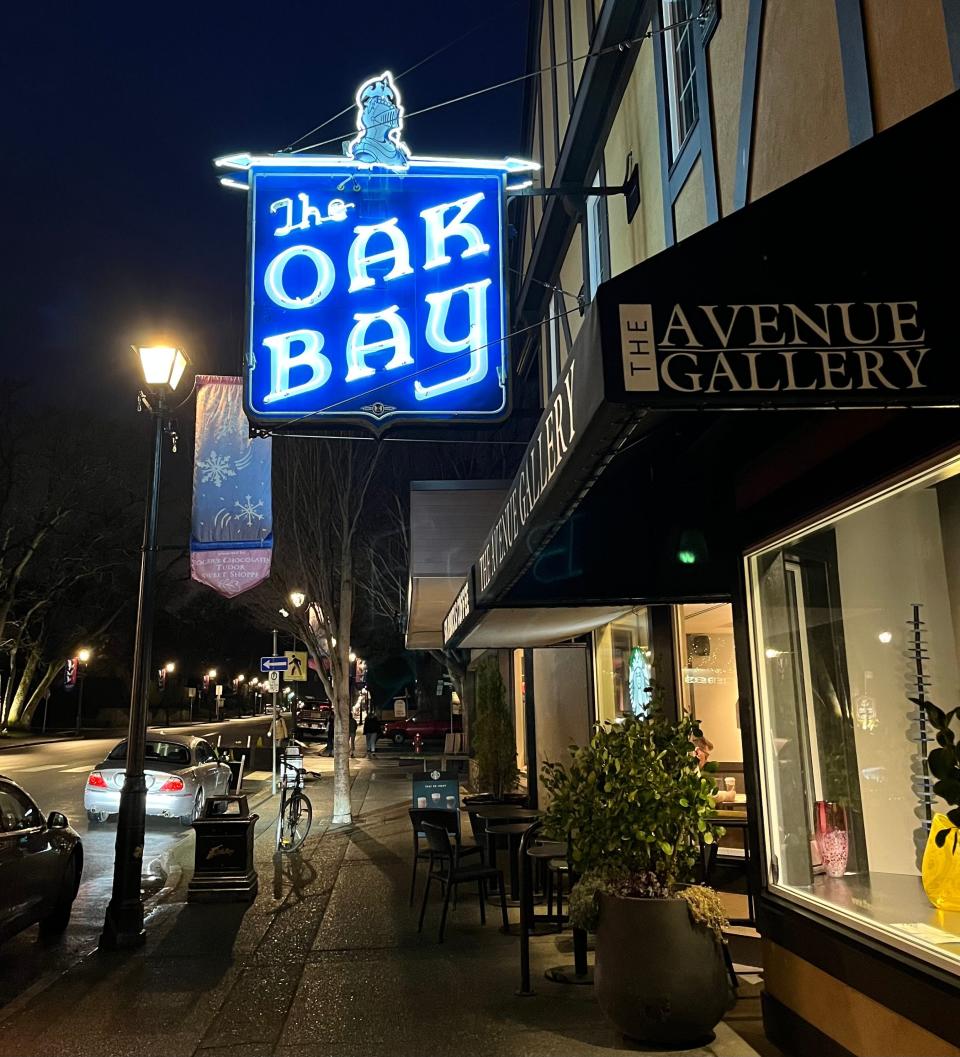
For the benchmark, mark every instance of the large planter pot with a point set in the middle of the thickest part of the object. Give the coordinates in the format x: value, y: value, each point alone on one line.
x: 658, y: 976
x: 941, y: 867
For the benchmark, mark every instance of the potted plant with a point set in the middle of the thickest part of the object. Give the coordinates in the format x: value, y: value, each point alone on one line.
x: 493, y: 739
x: 634, y: 807
x: 941, y: 857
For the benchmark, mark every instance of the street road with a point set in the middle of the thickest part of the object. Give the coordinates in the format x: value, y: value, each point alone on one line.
x: 54, y: 775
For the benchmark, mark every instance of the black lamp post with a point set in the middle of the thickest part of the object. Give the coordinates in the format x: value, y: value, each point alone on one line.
x: 83, y: 656
x: 163, y: 368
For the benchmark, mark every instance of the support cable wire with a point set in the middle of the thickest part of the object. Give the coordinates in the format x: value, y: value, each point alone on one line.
x: 623, y: 45
x: 439, y: 51
x: 452, y: 359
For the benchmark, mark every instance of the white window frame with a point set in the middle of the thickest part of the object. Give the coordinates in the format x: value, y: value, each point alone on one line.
x: 673, y: 12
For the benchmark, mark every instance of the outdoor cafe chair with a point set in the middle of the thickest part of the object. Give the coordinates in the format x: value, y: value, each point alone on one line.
x: 445, y: 867
x: 450, y: 821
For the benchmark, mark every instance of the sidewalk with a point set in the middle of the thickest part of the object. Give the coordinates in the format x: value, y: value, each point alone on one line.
x: 334, y: 965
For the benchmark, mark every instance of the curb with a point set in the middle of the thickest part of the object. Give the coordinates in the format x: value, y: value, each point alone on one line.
x: 25, y: 744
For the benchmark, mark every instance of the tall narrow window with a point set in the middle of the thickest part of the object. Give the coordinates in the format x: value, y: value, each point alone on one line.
x: 679, y: 27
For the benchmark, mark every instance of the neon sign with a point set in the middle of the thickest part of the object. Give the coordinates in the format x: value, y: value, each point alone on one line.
x: 376, y: 289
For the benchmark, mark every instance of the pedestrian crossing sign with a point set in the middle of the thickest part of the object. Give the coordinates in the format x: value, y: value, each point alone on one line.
x: 297, y: 667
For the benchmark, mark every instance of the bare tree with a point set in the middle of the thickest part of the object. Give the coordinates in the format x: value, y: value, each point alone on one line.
x: 325, y: 492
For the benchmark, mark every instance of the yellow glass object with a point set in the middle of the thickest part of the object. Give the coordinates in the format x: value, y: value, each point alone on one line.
x: 941, y: 867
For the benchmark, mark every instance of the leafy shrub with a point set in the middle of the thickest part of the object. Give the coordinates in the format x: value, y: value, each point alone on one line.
x: 633, y: 807
x: 494, y: 741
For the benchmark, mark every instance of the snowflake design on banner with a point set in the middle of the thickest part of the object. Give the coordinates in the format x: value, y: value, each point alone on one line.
x: 216, y: 468
x: 249, y: 510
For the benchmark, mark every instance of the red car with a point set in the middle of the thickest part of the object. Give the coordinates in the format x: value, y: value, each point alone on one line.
x: 401, y: 730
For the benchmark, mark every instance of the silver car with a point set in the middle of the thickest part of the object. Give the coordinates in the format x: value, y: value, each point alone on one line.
x: 181, y: 772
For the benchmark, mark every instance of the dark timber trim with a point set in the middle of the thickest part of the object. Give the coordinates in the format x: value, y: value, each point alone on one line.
x: 748, y: 101
x: 686, y: 159
x: 705, y: 120
x: 530, y: 728
x: 856, y: 76
x: 951, y: 16
x: 553, y: 81
x: 601, y: 88
x: 568, y: 29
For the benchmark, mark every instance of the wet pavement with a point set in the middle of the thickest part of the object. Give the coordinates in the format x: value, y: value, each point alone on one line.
x: 327, y: 960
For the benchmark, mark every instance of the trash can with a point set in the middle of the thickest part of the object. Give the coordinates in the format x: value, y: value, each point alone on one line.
x: 223, y: 862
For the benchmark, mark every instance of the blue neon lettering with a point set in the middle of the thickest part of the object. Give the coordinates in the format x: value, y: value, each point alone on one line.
x: 358, y: 348
x: 281, y: 363
x: 358, y: 258
x: 438, y: 232
x: 475, y: 340
x: 273, y: 277
x: 309, y: 214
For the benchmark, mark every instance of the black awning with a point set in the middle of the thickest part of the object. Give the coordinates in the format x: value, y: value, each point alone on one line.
x: 834, y: 292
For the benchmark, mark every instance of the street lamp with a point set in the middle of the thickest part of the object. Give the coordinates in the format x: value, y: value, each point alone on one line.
x: 170, y: 667
x: 297, y: 598
x: 163, y: 367
x: 83, y: 656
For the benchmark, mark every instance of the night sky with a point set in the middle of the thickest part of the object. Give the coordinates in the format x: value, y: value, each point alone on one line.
x: 115, y: 228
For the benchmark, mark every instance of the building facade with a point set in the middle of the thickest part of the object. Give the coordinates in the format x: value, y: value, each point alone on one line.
x: 787, y: 576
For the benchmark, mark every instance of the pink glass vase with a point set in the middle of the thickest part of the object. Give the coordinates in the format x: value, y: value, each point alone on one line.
x: 830, y: 821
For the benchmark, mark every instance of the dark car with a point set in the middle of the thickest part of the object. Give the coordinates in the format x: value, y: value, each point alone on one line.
x: 41, y: 860
x: 401, y: 730
x: 312, y: 721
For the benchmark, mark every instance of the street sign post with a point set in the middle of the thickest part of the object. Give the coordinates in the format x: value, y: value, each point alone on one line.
x: 274, y: 664
x: 273, y: 682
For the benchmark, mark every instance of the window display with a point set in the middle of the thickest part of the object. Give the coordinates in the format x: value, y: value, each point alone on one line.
x: 624, y: 667
x: 851, y: 621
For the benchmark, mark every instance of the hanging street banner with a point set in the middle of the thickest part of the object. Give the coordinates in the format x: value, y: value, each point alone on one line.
x: 376, y: 281
x: 232, y: 525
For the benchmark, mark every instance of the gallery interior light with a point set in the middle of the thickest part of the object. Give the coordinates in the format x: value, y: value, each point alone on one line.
x: 885, y: 637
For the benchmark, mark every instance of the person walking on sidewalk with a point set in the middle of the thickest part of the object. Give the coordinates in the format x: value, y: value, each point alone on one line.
x: 371, y: 730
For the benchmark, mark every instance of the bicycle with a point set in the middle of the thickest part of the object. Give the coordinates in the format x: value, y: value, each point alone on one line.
x: 296, y: 811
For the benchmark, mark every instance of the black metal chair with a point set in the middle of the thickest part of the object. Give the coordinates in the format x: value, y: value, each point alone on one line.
x: 450, y: 821
x: 445, y: 867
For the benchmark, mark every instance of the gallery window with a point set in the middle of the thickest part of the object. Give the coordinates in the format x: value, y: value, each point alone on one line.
x: 848, y: 620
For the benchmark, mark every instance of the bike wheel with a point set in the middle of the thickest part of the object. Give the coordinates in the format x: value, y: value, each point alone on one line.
x: 294, y: 823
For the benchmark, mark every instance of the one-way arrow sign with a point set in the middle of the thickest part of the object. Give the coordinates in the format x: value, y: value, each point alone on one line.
x: 274, y: 664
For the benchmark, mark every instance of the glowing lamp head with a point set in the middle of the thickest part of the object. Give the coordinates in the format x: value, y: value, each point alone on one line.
x: 686, y: 557
x: 297, y: 598
x: 84, y: 655
x: 771, y: 654
x: 240, y: 678
x: 170, y: 667
x: 885, y: 637
x: 353, y: 656
x: 212, y: 673
x: 163, y: 365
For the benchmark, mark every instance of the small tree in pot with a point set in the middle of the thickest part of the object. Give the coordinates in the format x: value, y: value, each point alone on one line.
x: 494, y: 741
x: 633, y: 806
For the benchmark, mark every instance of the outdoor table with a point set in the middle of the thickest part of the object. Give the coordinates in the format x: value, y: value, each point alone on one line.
x: 513, y: 831
x: 503, y: 813
x: 529, y: 920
